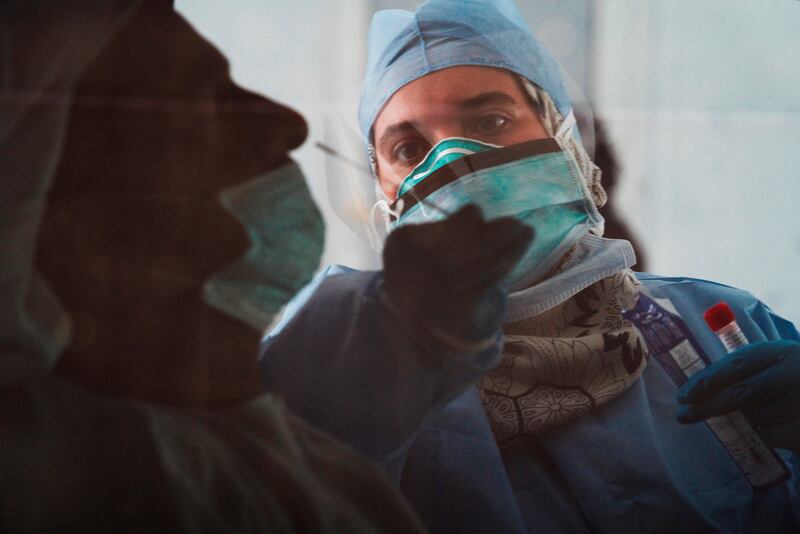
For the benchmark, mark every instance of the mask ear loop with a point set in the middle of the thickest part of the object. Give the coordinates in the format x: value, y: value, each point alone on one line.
x: 384, y: 204
x: 386, y: 213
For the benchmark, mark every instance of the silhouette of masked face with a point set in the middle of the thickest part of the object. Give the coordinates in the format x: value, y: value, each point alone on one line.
x: 135, y: 226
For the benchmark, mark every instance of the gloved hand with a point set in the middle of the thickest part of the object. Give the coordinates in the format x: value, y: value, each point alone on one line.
x: 446, y: 274
x: 761, y: 379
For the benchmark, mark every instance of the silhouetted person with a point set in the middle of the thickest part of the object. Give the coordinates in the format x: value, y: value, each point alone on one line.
x: 133, y: 118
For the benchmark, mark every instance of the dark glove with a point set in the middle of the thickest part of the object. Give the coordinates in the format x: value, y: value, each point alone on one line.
x: 447, y: 274
x: 761, y: 379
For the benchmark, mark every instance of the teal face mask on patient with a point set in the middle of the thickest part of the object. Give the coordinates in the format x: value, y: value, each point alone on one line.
x: 535, y: 182
x: 286, y: 238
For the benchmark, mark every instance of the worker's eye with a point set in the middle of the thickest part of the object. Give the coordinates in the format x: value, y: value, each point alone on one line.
x: 489, y: 124
x: 410, y: 152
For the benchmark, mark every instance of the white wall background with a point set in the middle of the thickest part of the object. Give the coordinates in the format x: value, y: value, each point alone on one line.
x: 700, y: 96
x: 303, y: 53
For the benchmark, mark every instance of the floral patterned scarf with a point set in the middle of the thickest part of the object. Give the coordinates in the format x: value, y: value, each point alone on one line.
x: 565, y: 362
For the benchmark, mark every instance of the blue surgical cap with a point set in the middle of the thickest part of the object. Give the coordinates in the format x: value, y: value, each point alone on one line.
x: 404, y: 46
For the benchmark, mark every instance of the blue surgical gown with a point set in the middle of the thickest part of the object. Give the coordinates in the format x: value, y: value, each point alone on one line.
x: 342, y: 362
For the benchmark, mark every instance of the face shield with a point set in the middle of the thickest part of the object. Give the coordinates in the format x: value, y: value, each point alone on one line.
x: 351, y: 186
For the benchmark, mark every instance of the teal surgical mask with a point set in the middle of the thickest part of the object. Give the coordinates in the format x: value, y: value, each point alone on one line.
x: 286, y: 238
x: 536, y: 182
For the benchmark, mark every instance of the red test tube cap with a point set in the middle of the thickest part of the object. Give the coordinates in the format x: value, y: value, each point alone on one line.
x: 719, y: 315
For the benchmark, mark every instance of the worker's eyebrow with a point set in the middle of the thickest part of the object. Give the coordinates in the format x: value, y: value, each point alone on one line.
x: 489, y: 98
x: 484, y: 99
x: 396, y: 130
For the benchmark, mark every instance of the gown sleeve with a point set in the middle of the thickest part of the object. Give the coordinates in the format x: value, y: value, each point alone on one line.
x: 343, y: 360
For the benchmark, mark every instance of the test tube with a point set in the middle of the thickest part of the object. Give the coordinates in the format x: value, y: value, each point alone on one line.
x: 722, y: 321
x: 760, y: 463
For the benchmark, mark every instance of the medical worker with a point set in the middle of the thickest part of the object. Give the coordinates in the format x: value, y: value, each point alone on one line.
x: 494, y: 371
x: 133, y: 172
